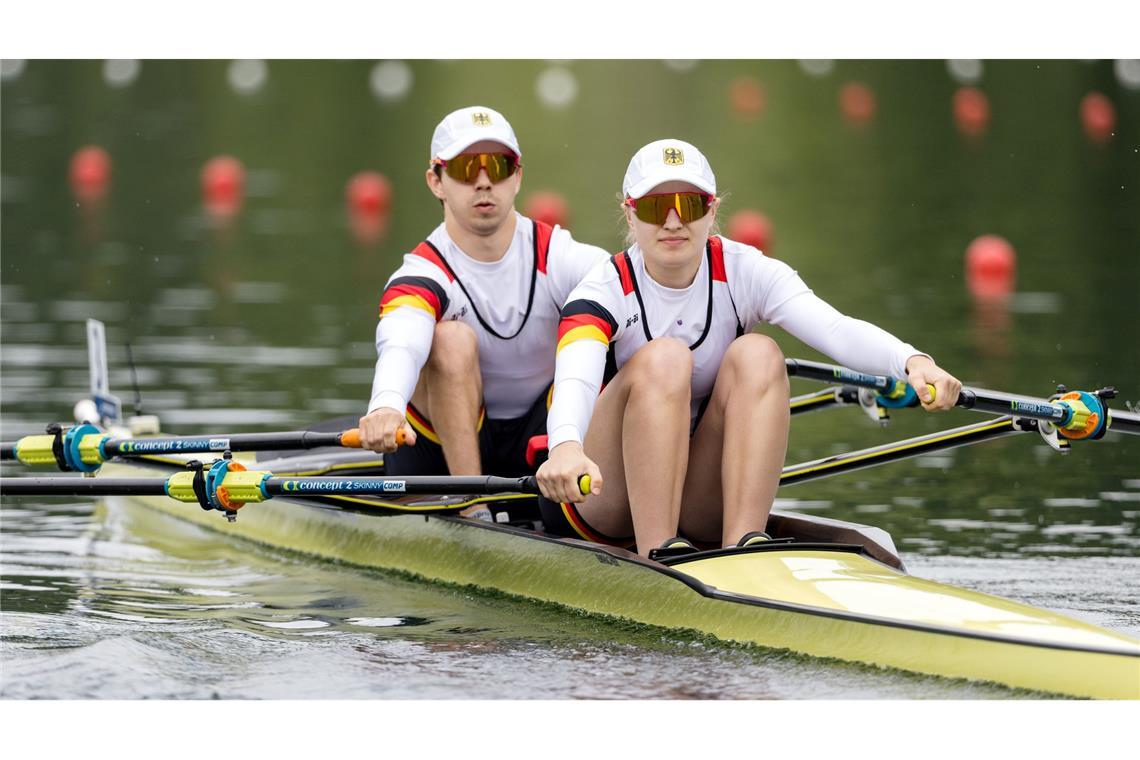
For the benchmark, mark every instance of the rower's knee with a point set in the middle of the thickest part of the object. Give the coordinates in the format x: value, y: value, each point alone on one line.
x: 757, y: 361
x: 663, y: 365
x: 454, y: 350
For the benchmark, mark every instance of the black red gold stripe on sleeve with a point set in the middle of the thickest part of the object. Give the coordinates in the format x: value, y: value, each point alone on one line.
x: 418, y: 292
x: 585, y: 320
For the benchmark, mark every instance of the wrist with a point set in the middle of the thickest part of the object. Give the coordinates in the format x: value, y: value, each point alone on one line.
x: 918, y: 361
x: 567, y: 447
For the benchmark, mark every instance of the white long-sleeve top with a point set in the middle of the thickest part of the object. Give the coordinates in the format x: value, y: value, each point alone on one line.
x: 512, y: 305
x: 618, y: 308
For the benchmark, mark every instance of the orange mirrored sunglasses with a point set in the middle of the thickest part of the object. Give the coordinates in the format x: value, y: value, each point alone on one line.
x: 655, y: 209
x: 466, y: 166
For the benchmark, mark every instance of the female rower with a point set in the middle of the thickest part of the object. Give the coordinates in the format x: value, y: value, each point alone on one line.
x: 691, y: 426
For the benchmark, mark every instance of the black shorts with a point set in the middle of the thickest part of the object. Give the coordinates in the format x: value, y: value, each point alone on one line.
x: 502, y: 444
x: 563, y: 520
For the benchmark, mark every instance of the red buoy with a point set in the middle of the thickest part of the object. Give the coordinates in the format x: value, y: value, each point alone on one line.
x: 971, y: 111
x: 857, y: 103
x: 751, y: 228
x: 223, y: 185
x: 747, y: 97
x: 369, y: 193
x: 1098, y: 116
x: 548, y: 206
x: 90, y: 173
x: 991, y: 267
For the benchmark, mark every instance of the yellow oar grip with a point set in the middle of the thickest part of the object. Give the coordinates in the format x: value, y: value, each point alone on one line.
x: 36, y: 450
x: 91, y: 448
x: 243, y: 486
x: 584, y: 484
x: 180, y: 486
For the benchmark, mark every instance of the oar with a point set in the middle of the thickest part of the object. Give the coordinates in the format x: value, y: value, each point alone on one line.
x: 227, y: 486
x: 1076, y: 414
x: 84, y: 448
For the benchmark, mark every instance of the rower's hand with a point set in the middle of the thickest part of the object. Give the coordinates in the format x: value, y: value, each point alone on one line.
x: 384, y: 429
x: 558, y: 476
x: 922, y: 371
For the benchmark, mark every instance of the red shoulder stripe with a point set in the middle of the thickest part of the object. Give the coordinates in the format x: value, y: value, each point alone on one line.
x: 425, y: 250
x: 716, y: 257
x: 568, y: 324
x: 408, y: 291
x: 542, y: 233
x: 621, y: 264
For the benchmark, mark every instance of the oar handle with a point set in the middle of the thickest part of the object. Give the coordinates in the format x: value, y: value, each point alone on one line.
x: 350, y: 439
x: 530, y: 485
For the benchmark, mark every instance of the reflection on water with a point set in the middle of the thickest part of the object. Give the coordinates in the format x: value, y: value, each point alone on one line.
x: 265, y: 320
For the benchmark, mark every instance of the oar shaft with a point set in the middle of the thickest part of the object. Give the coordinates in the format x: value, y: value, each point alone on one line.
x: 379, y: 486
x: 84, y: 448
x: 979, y: 399
x: 830, y: 373
x: 269, y: 486
x: 64, y: 486
x: 1124, y: 422
x: 301, y: 439
x: 995, y: 403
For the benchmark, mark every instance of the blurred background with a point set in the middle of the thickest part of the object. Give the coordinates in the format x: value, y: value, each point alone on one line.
x: 235, y: 223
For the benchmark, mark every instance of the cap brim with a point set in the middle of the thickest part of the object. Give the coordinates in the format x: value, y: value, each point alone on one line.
x: 457, y: 147
x: 648, y: 183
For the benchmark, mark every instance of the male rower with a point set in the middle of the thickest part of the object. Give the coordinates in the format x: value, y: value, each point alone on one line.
x: 469, y: 322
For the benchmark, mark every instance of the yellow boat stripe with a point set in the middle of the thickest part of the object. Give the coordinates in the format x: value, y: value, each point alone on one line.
x: 434, y: 507
x: 878, y: 453
x: 820, y: 398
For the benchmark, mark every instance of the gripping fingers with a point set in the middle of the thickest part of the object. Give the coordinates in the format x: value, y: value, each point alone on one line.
x: 933, y: 391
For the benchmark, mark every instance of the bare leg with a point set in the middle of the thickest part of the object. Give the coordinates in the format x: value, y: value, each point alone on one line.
x: 738, y: 449
x: 639, y: 438
x: 450, y: 393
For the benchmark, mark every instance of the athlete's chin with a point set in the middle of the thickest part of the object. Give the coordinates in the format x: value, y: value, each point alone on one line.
x: 484, y: 224
x: 674, y: 252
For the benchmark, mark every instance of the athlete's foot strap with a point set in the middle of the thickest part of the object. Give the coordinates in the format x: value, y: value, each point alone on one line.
x: 751, y: 538
x: 674, y: 547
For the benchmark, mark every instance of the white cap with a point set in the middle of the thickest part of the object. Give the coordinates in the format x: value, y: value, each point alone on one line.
x: 461, y: 129
x: 667, y: 161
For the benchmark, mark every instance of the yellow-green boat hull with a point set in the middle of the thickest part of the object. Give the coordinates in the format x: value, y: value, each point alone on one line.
x: 828, y: 603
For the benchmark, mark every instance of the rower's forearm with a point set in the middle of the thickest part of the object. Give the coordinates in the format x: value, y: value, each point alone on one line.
x: 400, y: 358
x: 577, y: 382
x: 851, y: 342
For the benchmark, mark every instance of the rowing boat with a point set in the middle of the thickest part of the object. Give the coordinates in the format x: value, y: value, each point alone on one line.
x: 837, y: 590
x: 822, y: 587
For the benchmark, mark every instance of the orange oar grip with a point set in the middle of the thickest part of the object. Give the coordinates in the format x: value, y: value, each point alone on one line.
x: 350, y: 439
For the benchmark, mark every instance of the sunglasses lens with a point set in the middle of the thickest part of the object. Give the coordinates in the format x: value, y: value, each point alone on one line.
x: 655, y: 209
x: 466, y: 166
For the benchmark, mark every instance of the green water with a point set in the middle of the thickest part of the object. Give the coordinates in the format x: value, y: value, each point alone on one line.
x: 267, y: 323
